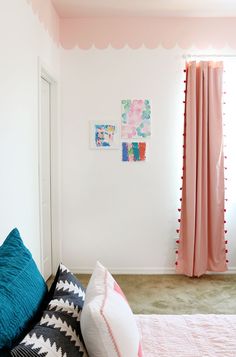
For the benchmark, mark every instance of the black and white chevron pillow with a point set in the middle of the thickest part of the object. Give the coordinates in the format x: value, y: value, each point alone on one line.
x: 58, y: 332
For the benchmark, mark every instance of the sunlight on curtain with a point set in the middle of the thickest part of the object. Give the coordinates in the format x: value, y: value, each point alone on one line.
x: 229, y: 119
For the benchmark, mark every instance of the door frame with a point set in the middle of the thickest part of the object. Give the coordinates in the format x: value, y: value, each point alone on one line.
x: 45, y: 73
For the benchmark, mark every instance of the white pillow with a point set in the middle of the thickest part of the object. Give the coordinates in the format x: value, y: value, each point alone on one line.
x: 107, y: 322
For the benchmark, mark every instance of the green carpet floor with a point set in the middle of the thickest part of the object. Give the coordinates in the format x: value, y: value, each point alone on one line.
x: 175, y: 294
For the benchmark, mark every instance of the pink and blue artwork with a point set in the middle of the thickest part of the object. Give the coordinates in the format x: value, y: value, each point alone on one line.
x: 104, y: 135
x: 134, y: 151
x: 135, y: 119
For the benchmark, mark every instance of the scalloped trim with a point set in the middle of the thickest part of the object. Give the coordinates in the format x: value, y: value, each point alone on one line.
x: 48, y: 17
x: 135, y: 32
x: 149, y: 32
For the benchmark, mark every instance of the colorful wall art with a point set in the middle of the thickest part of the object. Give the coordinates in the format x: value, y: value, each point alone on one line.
x: 134, y: 151
x: 135, y: 119
x: 104, y: 135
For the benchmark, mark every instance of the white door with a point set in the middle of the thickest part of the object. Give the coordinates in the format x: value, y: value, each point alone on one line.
x: 45, y: 176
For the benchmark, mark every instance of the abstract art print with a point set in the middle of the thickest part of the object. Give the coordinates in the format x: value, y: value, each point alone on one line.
x: 104, y: 135
x: 134, y: 151
x: 135, y: 119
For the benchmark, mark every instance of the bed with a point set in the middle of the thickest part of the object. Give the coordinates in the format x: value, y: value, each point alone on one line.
x: 188, y: 335
x: 69, y: 321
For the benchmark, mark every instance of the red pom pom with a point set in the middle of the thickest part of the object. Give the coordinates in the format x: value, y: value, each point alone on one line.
x: 226, y: 242
x: 177, y: 230
x: 185, y: 70
x: 177, y: 241
x: 226, y: 251
x: 224, y: 210
x: 226, y: 231
x: 227, y: 261
x: 224, y: 221
x: 181, y: 188
x: 176, y: 263
x: 176, y: 252
x: 179, y: 209
x: 180, y: 199
x: 179, y: 220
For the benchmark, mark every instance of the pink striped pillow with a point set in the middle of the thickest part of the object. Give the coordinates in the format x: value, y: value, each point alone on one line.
x: 107, y: 322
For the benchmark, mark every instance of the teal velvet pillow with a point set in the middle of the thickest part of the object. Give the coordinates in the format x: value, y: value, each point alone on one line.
x: 22, y: 289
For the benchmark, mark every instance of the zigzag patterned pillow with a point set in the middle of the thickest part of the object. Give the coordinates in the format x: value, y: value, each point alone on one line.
x: 58, y: 332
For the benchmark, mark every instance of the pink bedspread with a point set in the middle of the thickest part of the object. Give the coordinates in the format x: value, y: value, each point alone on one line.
x: 188, y: 335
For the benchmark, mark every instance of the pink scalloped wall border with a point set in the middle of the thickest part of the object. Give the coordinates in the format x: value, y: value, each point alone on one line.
x: 47, y: 15
x: 150, y: 32
x: 135, y: 31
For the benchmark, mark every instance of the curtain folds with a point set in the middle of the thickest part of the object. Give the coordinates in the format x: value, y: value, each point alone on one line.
x: 201, y: 239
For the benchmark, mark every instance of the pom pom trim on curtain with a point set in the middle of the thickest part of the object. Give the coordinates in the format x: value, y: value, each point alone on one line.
x: 201, y: 235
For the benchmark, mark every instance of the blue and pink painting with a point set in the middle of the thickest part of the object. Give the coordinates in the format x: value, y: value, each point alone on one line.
x: 104, y: 135
x: 135, y: 151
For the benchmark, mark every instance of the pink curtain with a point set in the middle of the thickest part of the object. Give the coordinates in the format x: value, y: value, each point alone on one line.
x: 201, y: 236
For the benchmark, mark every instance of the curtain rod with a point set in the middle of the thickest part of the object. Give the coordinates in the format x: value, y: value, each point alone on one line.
x: 211, y: 55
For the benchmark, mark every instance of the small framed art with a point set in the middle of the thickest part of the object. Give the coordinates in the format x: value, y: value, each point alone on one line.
x: 135, y: 151
x: 104, y: 135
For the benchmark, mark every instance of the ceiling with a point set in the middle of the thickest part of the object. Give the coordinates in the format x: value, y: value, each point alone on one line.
x: 172, y: 8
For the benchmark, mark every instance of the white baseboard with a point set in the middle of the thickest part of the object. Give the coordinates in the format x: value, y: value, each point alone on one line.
x: 139, y: 271
x: 130, y: 271
x: 231, y: 270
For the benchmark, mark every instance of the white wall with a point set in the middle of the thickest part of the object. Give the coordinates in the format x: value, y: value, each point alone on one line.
x: 22, y: 40
x: 120, y: 213
x: 123, y: 214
